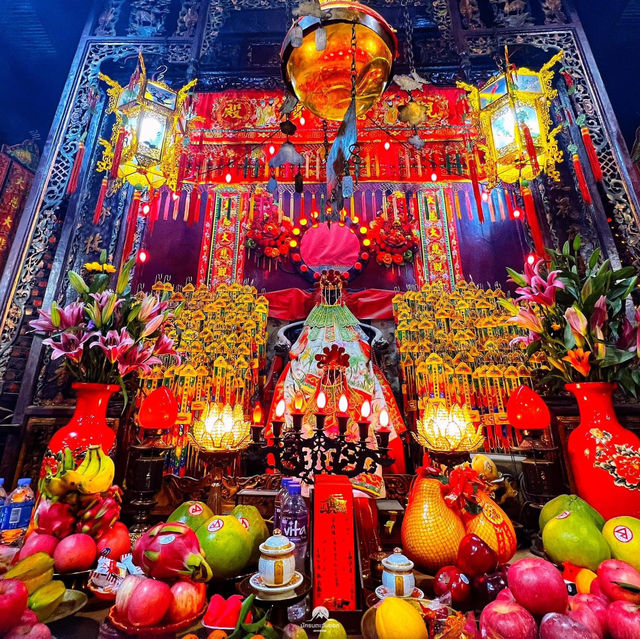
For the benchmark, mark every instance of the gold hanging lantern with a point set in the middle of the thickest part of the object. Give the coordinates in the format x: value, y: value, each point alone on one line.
x: 511, y: 111
x: 317, y: 54
x: 145, y: 141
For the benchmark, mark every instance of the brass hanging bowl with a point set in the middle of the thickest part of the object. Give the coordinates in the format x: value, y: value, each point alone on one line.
x: 321, y: 80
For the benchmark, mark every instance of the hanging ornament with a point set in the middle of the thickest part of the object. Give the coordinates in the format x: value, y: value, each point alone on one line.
x: 272, y: 185
x: 298, y: 183
x: 347, y: 186
x: 286, y: 155
x: 295, y: 36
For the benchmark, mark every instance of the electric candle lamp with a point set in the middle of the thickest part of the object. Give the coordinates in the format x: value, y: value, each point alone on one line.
x: 277, y: 423
x: 384, y: 431
x: 321, y: 416
x: 363, y: 422
x: 256, y: 428
x: 321, y: 401
x: 297, y: 414
x: 343, y: 415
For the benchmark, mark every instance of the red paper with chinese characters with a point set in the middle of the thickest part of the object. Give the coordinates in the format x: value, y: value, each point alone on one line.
x: 334, y: 557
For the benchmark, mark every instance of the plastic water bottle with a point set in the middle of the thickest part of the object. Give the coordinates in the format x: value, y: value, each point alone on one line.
x: 3, y: 498
x: 17, y: 513
x: 295, y: 522
x: 281, y: 495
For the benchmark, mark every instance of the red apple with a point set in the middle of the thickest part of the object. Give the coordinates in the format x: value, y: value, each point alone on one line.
x: 614, y: 575
x: 557, y: 626
x: 584, y: 615
x: 596, y: 591
x: 36, y: 542
x: 505, y: 595
x: 29, y: 631
x: 150, y: 604
x: 475, y: 557
x: 117, y: 540
x: 597, y: 605
x: 188, y: 599
x: 507, y: 620
x: 13, y: 601
x: 74, y: 553
x: 538, y: 586
x: 124, y: 593
x: 623, y: 620
x: 451, y: 579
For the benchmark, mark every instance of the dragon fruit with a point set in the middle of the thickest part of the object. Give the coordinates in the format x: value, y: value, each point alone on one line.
x: 171, y: 551
x: 54, y: 517
x: 99, y: 512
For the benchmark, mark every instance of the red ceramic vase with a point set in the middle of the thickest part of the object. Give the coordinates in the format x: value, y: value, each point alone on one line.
x: 604, y: 456
x: 88, y: 426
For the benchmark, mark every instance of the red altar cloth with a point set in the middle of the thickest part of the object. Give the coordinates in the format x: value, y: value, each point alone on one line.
x: 292, y: 304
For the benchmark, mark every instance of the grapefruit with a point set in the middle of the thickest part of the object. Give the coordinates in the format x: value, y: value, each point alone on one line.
x: 226, y: 545
x: 192, y: 514
x: 623, y: 536
x: 251, y: 519
x: 571, y: 503
x: 573, y: 537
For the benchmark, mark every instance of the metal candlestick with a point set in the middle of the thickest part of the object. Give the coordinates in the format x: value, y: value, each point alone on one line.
x: 305, y: 457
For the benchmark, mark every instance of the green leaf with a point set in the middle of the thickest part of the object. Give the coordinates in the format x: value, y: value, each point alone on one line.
x: 566, y: 251
x: 587, y: 289
x: 103, y: 256
x: 626, y: 586
x: 576, y: 243
x: 123, y: 279
x: 593, y: 260
x: 614, y: 356
x: 534, y: 347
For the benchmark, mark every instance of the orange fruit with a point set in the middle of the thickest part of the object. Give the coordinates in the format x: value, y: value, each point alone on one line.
x: 584, y: 579
x: 217, y: 634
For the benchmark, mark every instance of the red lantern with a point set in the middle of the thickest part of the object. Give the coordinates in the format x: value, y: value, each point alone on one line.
x: 158, y: 410
x: 526, y: 410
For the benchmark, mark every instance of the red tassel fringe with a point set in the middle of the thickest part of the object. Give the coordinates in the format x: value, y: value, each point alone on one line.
x: 532, y: 218
x: 596, y: 169
x: 132, y: 220
x: 72, y: 187
x: 100, y: 202
x: 473, y: 170
x: 531, y: 150
x: 582, y: 182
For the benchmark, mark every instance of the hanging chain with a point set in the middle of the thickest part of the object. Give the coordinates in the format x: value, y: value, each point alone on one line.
x: 408, y: 29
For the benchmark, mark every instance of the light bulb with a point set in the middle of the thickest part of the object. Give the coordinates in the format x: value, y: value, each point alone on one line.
x: 434, y: 177
x: 298, y: 400
x: 485, y: 196
x: 531, y: 258
x: 302, y: 121
x: 272, y: 150
x: 387, y: 146
x: 343, y: 403
x: 257, y: 414
x: 280, y: 406
x: 365, y: 411
x: 516, y: 213
x: 227, y: 178
x: 321, y: 400
x: 384, y: 418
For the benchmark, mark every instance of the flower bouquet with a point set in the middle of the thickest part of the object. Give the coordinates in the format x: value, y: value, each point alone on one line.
x: 580, y: 316
x: 107, y: 334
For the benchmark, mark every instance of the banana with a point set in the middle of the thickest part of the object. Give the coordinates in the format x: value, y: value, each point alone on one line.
x: 70, y: 479
x: 101, y: 481
x: 55, y: 487
x: 68, y: 461
x: 90, y: 465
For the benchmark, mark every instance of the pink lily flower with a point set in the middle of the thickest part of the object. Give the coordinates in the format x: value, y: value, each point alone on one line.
x: 136, y: 358
x: 152, y: 326
x: 628, y: 336
x: 599, y: 315
x: 150, y: 308
x: 525, y: 339
x: 114, y: 344
x: 43, y: 324
x: 164, y: 346
x: 578, y: 323
x: 528, y: 320
x: 541, y: 291
x: 70, y: 345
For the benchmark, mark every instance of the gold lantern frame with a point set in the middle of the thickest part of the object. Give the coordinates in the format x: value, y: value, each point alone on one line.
x: 516, y: 92
x: 149, y: 102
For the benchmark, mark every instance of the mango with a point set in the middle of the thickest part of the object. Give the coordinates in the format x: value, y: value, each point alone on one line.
x: 46, y: 599
x: 572, y: 503
x: 397, y: 618
x: 574, y: 537
x: 623, y: 536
